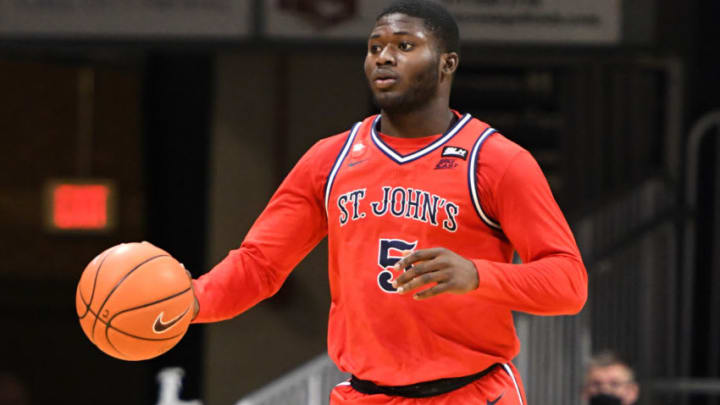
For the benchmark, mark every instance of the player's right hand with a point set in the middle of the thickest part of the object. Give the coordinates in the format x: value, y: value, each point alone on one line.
x: 196, y: 304
x: 447, y: 270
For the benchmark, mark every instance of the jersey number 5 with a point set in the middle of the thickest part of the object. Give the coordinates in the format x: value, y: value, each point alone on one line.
x: 389, y: 253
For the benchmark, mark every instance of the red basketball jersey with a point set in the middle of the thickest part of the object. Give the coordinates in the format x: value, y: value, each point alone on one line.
x: 469, y: 190
x: 381, y: 202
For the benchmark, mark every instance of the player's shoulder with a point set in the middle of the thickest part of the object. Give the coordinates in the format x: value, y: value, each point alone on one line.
x: 500, y: 157
x: 326, y: 149
x: 323, y: 153
x: 333, y: 144
x: 497, y: 146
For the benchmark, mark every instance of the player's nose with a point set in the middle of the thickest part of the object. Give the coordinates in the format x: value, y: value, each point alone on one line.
x: 385, y: 57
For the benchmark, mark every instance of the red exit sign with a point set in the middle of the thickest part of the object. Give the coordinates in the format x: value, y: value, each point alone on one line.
x: 80, y: 205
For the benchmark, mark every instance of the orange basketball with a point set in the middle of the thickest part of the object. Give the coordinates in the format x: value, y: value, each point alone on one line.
x: 134, y: 301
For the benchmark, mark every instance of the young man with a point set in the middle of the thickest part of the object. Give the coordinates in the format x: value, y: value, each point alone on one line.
x: 434, y: 326
x: 609, y: 377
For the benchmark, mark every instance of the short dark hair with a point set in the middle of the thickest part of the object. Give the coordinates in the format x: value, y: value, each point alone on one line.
x: 607, y: 358
x: 435, y: 17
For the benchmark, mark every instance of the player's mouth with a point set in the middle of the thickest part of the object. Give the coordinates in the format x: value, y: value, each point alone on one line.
x: 384, y: 79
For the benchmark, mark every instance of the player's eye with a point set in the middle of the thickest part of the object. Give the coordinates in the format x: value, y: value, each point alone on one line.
x: 374, y: 48
x: 406, y: 46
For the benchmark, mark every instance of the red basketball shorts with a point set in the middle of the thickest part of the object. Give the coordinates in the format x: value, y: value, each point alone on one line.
x: 502, y: 386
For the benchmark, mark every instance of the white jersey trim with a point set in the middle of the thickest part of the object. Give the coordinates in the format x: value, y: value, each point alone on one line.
x: 422, y: 152
x: 472, y: 179
x: 512, y: 377
x: 338, y: 163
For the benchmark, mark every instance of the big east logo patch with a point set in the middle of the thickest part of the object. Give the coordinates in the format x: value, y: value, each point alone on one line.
x: 454, y: 151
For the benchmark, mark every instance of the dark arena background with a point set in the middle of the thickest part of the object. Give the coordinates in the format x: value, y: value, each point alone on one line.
x: 187, y: 114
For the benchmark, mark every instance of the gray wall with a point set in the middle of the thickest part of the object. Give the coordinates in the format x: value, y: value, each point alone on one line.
x: 326, y: 94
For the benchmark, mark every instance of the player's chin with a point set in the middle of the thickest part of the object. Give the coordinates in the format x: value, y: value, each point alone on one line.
x: 388, y: 100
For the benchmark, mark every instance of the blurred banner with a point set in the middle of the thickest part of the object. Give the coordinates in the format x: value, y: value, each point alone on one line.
x: 119, y: 19
x: 528, y: 21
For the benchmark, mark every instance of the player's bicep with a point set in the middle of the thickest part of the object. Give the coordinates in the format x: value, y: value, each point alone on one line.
x: 529, y: 215
x: 294, y: 220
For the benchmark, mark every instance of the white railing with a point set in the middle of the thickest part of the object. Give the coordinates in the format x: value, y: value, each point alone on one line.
x: 309, y: 384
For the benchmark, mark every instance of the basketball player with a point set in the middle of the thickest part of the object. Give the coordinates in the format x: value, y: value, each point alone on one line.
x: 434, y: 326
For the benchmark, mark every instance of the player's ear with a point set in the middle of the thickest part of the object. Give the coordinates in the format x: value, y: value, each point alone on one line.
x: 449, y: 63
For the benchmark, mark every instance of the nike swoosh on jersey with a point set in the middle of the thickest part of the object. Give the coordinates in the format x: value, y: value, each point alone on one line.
x: 161, y: 326
x: 357, y: 162
x: 489, y: 402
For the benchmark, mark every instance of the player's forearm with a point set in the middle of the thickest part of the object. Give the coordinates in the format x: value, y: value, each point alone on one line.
x: 234, y: 285
x: 553, y: 285
x: 552, y: 279
x: 277, y: 242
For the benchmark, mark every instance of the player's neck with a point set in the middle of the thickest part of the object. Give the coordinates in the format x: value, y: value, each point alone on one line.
x: 427, y: 121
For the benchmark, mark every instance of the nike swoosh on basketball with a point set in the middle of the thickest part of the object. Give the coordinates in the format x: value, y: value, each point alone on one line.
x: 161, y: 326
x: 489, y: 402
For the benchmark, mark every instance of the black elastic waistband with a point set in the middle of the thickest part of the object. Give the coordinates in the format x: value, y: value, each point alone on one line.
x: 419, y: 390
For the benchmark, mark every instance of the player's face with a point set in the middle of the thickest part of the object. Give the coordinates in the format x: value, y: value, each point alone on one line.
x: 402, y: 63
x: 613, y: 380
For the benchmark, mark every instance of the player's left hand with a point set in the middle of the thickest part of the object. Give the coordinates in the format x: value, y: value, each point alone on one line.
x: 452, y: 273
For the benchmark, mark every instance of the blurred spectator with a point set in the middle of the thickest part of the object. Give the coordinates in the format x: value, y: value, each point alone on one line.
x: 12, y: 390
x: 610, y: 380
